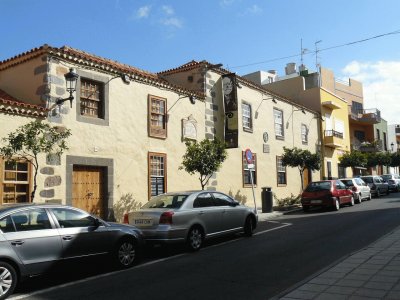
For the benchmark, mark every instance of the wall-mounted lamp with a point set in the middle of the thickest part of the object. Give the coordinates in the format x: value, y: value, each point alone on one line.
x: 192, y: 99
x: 273, y: 100
x: 392, y: 146
x: 302, y: 110
x: 71, y: 79
x: 125, y: 78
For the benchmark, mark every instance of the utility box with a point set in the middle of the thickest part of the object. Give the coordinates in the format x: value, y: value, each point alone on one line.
x: 266, y: 200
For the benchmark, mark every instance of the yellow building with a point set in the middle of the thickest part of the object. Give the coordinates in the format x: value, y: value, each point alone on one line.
x: 309, y: 90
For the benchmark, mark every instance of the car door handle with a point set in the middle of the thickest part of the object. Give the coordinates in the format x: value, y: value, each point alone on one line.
x: 17, y: 243
x: 67, y: 238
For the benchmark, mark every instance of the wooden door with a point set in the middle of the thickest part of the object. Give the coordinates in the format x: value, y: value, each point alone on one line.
x: 88, y: 189
x: 306, y: 178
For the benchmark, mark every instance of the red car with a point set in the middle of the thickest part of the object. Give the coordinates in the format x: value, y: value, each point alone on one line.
x: 326, y: 193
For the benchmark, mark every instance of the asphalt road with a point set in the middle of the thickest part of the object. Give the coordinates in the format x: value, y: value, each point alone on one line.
x: 283, y: 252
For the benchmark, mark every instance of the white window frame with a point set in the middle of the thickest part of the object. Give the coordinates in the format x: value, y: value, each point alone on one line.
x: 278, y: 123
x: 247, y: 116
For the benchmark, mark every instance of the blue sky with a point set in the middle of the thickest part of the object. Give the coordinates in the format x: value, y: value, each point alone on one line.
x: 244, y: 35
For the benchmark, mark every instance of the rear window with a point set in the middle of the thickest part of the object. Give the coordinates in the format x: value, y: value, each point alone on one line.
x: 319, y: 186
x: 348, y: 182
x: 367, y: 179
x: 166, y: 201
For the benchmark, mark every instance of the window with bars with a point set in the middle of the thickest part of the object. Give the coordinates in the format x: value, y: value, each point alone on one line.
x: 246, y: 117
x: 157, y: 117
x: 281, y: 171
x: 91, y: 98
x: 278, y: 123
x: 304, y: 134
x: 157, y: 174
x: 246, y: 170
x: 15, y: 182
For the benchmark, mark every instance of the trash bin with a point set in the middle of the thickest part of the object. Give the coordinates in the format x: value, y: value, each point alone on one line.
x: 266, y: 200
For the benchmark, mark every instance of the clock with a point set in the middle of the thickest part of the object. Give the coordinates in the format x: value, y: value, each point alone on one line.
x: 227, y: 85
x: 265, y: 137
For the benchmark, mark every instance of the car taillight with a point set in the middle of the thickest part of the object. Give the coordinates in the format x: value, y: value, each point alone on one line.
x: 354, y: 189
x: 166, y: 217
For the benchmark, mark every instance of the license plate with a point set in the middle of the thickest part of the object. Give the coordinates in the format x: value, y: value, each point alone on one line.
x: 143, y: 222
x: 316, y: 201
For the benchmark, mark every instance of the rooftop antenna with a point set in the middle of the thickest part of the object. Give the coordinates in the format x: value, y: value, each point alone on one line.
x: 316, y: 61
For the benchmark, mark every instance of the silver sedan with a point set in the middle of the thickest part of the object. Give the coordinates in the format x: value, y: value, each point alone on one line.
x: 192, y: 217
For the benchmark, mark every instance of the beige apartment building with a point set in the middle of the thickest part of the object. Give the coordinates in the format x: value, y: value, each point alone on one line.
x: 128, y: 129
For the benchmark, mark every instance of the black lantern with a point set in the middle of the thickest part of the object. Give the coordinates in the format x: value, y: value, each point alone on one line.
x: 392, y: 146
x: 71, y: 79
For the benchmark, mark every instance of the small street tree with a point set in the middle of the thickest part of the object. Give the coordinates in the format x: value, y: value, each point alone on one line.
x: 353, y: 159
x: 204, y: 157
x: 395, y: 159
x: 32, y: 139
x: 302, y: 159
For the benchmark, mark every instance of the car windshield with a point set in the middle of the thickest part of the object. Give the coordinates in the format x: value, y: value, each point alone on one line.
x: 347, y: 182
x: 319, y: 186
x: 386, y: 177
x: 166, y: 201
x: 368, y: 179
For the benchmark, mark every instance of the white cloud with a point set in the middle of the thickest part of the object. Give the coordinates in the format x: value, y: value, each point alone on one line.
x: 381, y: 83
x: 168, y: 10
x: 254, y: 9
x: 143, y: 12
x: 173, y: 22
x: 226, y: 2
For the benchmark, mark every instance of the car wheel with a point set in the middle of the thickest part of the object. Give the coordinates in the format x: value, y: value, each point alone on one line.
x: 306, y: 208
x: 8, y: 280
x: 126, y: 253
x: 387, y: 192
x: 195, y: 238
x: 370, y: 196
x: 248, y: 226
x: 378, y: 193
x: 336, y: 204
x: 358, y: 197
x: 352, y: 201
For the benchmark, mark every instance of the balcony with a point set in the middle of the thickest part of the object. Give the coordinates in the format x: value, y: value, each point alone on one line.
x: 333, y: 139
x: 331, y: 105
x: 365, y: 116
x: 368, y: 146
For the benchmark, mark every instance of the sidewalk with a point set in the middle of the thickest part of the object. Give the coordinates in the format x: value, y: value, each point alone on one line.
x: 371, y: 273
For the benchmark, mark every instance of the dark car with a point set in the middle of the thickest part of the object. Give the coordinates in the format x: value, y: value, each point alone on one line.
x: 377, y: 184
x: 191, y: 217
x: 393, y: 181
x: 33, y: 238
x: 326, y: 193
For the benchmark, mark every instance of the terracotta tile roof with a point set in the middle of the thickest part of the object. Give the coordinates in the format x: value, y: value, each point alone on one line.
x: 93, y: 61
x: 11, y: 105
x: 196, y: 64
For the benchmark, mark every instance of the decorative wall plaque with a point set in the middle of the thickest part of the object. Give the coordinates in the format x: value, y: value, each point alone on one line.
x: 189, y: 128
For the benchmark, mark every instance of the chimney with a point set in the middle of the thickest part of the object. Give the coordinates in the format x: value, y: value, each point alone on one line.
x: 290, y: 68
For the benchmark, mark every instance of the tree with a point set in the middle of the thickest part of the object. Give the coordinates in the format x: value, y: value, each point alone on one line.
x: 302, y: 159
x: 205, y: 158
x: 32, y: 139
x: 353, y: 159
x: 395, y: 159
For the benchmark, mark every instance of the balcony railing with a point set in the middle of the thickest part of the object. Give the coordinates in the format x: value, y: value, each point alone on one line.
x: 333, y: 138
x: 368, y: 146
x: 369, y: 116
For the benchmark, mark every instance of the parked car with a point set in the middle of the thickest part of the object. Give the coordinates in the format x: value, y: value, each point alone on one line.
x: 192, y: 217
x: 377, y: 184
x: 326, y: 193
x: 361, y: 191
x: 33, y: 238
x: 393, y: 180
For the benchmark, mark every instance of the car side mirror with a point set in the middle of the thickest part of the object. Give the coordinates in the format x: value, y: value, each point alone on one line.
x: 97, y: 223
x: 235, y: 203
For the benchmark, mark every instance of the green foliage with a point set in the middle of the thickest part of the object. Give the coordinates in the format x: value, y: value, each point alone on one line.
x: 205, y: 158
x: 353, y: 159
x: 125, y: 205
x: 395, y: 159
x: 31, y: 139
x: 302, y: 159
x: 288, y: 201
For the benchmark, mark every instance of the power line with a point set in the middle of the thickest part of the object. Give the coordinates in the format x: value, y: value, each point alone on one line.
x: 319, y: 50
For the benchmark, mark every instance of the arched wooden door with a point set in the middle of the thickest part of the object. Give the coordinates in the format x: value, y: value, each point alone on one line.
x: 88, y: 184
x: 306, y: 178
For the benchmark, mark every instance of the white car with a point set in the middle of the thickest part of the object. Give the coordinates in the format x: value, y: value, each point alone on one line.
x: 361, y: 190
x: 191, y: 217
